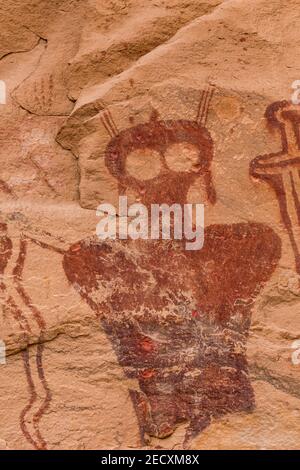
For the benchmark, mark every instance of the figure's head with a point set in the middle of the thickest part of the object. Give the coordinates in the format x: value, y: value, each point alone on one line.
x: 160, y: 160
x: 286, y: 116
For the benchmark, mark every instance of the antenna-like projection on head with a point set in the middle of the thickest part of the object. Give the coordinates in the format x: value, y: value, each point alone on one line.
x: 203, y: 109
x: 108, y: 121
x: 202, y: 115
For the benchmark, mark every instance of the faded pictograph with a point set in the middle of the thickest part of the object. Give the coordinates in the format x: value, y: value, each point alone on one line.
x: 178, y: 320
x: 27, y: 316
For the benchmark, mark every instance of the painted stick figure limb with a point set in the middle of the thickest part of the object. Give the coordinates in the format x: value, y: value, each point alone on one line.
x: 281, y: 170
x: 39, y: 442
x: 19, y: 304
x: 35, y: 363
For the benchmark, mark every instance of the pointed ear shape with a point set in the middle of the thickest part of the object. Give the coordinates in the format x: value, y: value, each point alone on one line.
x: 210, y: 188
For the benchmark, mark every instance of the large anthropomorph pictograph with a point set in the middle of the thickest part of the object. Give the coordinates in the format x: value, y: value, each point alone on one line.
x: 178, y: 320
x: 281, y: 170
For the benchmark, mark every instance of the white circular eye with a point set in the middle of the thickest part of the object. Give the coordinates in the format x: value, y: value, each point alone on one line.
x: 182, y: 157
x: 143, y: 164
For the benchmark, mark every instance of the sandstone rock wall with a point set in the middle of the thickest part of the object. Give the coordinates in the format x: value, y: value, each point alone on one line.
x: 133, y: 344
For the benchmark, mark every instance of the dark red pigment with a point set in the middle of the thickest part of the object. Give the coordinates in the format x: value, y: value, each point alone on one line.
x: 189, y: 367
x: 274, y: 167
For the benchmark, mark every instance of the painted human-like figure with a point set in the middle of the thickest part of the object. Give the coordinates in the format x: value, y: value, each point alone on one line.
x: 281, y: 170
x: 178, y: 320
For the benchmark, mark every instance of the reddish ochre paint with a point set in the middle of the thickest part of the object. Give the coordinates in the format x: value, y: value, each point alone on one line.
x: 189, y: 368
x: 200, y: 363
x: 29, y: 419
x: 281, y: 170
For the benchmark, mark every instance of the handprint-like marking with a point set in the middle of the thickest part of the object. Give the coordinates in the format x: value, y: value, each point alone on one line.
x: 43, y: 93
x: 38, y: 96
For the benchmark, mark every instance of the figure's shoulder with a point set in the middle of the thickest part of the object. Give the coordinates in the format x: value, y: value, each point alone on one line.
x: 243, y: 250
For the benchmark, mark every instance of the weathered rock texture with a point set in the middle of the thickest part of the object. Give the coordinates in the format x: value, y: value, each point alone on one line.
x: 131, y: 344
